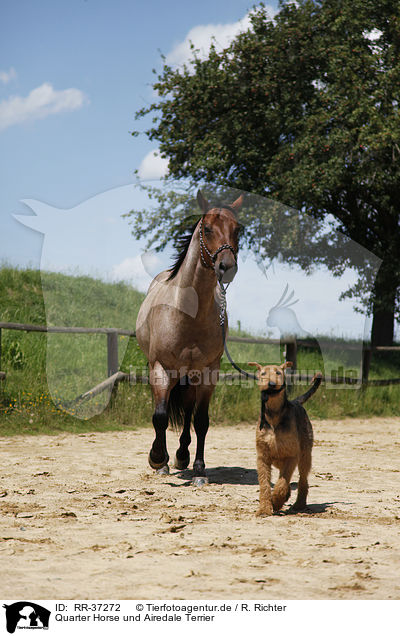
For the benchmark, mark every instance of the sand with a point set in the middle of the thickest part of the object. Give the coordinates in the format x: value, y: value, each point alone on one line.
x: 84, y: 517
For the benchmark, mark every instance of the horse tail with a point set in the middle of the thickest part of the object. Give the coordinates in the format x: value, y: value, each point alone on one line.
x: 176, y: 403
x: 317, y: 379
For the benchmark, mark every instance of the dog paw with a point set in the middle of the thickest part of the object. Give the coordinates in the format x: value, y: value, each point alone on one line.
x: 277, y: 502
x: 264, y: 512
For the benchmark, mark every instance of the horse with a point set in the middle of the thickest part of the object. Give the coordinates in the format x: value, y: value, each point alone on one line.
x: 178, y: 329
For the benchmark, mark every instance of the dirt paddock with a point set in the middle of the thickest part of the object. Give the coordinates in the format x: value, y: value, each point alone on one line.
x: 83, y: 516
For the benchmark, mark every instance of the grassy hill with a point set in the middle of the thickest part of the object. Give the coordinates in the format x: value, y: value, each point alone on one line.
x: 40, y: 365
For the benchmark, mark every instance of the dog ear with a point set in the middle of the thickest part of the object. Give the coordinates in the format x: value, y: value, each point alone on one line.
x: 285, y: 365
x: 255, y: 364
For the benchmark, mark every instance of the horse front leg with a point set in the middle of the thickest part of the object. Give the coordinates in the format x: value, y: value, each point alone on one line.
x: 161, y: 388
x: 201, y: 424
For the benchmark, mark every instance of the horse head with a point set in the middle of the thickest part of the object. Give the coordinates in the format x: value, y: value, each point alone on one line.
x: 219, y: 237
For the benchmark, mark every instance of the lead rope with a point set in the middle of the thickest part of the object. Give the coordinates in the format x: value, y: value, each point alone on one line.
x: 222, y: 311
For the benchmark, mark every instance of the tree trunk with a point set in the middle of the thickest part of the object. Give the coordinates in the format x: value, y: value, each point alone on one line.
x: 383, y: 308
x: 382, y: 328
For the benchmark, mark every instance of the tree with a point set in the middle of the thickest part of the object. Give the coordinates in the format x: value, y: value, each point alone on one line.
x: 303, y: 109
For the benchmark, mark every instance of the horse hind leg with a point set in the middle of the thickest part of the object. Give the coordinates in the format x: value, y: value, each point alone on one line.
x: 201, y: 424
x: 182, y: 457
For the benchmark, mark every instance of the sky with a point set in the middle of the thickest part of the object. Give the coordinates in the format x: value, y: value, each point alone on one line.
x: 72, y: 76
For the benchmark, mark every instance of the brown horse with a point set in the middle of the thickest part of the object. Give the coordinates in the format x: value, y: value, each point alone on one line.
x: 178, y: 329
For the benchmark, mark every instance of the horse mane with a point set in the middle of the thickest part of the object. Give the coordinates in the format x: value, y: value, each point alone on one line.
x: 182, y: 245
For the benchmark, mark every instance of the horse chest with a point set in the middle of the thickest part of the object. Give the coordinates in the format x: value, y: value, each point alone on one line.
x: 197, y: 356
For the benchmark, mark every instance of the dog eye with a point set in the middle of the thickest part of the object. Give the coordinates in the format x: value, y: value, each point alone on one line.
x: 278, y: 373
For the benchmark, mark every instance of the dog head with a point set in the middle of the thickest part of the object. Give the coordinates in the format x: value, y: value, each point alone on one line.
x: 271, y: 378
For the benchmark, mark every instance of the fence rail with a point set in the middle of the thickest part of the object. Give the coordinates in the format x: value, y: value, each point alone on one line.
x: 115, y: 376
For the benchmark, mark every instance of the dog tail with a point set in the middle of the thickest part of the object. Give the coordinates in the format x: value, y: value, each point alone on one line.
x: 317, y: 379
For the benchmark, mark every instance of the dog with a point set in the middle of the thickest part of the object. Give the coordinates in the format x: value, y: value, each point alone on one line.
x: 284, y: 439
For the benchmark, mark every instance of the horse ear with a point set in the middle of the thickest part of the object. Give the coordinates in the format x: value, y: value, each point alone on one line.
x: 238, y: 203
x: 203, y: 203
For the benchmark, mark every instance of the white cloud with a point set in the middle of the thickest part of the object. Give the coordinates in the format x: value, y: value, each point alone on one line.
x: 140, y: 270
x: 41, y: 102
x: 6, y: 76
x: 153, y: 166
x: 131, y: 270
x: 203, y: 35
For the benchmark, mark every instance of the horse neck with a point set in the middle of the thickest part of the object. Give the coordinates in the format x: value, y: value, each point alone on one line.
x: 192, y: 273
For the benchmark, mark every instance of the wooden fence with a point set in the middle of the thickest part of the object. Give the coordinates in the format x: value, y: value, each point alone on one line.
x: 114, y: 376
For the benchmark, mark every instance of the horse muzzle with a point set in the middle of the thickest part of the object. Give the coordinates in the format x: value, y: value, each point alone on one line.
x: 226, y: 271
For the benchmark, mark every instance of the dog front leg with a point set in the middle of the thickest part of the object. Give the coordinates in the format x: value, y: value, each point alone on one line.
x: 302, y: 487
x: 264, y: 480
x: 281, y: 492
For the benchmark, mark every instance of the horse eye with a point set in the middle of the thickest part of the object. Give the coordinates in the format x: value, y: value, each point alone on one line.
x: 207, y: 230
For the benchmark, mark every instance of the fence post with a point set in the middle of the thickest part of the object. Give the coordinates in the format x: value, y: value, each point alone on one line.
x: 291, y: 353
x: 112, y: 352
x: 366, y: 363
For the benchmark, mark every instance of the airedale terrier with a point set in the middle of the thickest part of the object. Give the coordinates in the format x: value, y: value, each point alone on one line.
x: 284, y: 439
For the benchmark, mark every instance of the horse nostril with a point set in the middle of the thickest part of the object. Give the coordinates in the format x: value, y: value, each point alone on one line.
x: 272, y: 384
x: 226, y: 271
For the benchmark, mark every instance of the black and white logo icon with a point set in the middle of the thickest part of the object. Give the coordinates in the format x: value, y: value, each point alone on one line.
x: 26, y: 615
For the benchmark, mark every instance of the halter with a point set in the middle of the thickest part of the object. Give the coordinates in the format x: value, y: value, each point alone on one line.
x: 204, y: 248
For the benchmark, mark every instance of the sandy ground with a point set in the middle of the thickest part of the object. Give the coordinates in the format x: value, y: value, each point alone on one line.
x: 83, y: 516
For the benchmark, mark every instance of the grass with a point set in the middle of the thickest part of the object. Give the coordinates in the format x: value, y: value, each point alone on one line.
x: 44, y: 371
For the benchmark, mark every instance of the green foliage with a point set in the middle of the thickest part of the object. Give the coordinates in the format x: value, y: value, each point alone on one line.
x: 303, y: 110
x: 14, y: 355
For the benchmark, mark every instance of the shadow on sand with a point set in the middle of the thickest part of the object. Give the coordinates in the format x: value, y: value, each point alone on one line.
x: 237, y: 475
x: 234, y: 475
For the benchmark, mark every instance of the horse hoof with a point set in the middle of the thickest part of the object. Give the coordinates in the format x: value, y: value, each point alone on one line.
x: 199, y: 481
x: 181, y: 464
x: 157, y: 466
x: 163, y: 471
